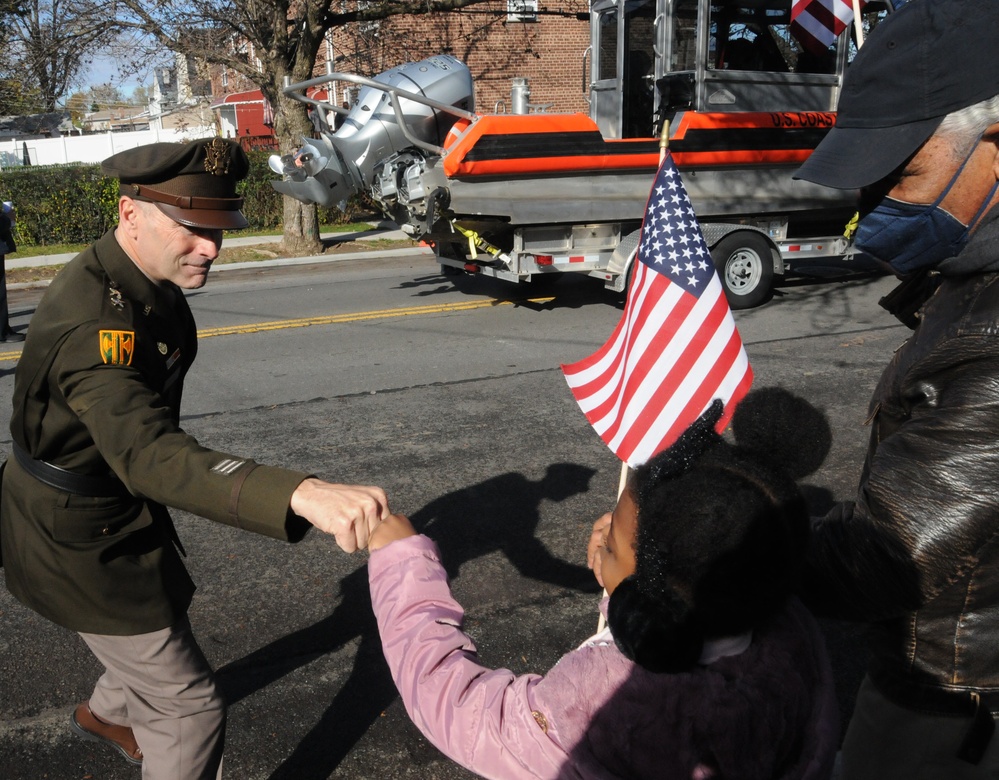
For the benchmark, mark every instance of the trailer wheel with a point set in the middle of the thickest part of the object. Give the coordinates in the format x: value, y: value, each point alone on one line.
x: 745, y: 265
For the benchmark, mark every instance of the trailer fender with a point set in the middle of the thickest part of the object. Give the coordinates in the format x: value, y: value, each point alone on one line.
x: 621, y: 261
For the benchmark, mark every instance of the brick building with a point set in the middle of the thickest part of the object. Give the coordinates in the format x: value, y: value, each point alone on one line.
x: 499, y: 40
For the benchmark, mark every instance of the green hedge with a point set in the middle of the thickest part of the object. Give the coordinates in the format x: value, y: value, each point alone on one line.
x: 76, y: 204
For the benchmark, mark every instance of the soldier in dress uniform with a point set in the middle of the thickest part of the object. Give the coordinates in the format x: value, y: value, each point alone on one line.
x: 99, y: 454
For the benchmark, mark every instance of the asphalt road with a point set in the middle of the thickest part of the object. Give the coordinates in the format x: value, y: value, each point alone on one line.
x: 449, y: 395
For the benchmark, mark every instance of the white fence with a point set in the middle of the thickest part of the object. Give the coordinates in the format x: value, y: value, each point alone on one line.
x: 89, y: 148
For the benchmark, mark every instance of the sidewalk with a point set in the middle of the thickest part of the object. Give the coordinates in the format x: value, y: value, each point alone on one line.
x: 378, y: 231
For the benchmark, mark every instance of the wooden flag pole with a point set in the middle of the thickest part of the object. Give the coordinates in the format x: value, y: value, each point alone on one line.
x: 623, y: 480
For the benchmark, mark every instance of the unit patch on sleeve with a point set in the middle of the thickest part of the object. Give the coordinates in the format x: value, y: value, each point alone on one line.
x: 117, y: 347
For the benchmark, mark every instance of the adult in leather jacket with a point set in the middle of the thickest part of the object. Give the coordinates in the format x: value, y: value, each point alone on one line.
x: 917, y: 553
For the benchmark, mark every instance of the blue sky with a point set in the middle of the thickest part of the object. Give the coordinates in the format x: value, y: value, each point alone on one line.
x: 104, y: 70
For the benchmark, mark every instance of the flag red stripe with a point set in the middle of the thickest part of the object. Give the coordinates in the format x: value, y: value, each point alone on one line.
x: 646, y: 361
x: 740, y: 392
x: 705, y: 394
x: 675, y: 377
x: 832, y: 16
x: 594, y: 385
x: 675, y: 374
x: 824, y: 16
x: 644, y: 279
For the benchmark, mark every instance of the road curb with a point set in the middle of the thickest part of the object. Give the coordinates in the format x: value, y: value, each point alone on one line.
x: 312, y: 259
x: 44, y: 261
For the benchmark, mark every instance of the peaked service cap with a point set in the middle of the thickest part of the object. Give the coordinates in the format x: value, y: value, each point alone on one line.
x: 924, y: 61
x: 193, y: 183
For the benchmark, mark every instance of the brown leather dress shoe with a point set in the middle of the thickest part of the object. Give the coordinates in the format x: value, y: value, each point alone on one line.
x: 89, y: 726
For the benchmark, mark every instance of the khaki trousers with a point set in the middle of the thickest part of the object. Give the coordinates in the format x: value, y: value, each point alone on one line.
x: 161, y: 685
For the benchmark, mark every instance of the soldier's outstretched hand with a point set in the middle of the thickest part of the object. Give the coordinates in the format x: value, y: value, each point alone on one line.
x: 349, y: 512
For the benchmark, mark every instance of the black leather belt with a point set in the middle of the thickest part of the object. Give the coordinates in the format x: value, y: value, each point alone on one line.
x: 94, y: 486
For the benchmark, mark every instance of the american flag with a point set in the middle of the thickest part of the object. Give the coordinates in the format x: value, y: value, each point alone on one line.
x: 817, y: 23
x: 676, y: 347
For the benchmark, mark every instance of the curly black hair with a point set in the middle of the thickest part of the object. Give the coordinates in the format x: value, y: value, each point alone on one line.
x: 722, y: 532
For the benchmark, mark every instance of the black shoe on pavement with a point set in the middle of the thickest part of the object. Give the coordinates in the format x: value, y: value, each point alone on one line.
x: 11, y: 336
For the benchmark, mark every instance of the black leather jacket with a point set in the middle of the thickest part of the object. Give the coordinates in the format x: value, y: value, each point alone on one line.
x: 917, y: 552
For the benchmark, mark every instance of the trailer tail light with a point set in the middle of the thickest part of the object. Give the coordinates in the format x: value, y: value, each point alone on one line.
x: 472, y: 268
x: 565, y: 259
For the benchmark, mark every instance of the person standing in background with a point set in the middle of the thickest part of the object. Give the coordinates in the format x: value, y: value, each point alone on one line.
x: 7, y: 245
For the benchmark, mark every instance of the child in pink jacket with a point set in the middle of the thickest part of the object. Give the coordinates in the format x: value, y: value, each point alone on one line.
x: 708, y: 669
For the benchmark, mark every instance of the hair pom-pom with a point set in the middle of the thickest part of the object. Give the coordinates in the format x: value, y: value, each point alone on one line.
x: 648, y: 634
x: 699, y: 437
x: 783, y: 429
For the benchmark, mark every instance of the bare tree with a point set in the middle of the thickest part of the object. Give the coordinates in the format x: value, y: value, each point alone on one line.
x: 266, y: 41
x: 51, y: 41
x: 141, y: 95
x: 106, y: 96
x: 14, y: 94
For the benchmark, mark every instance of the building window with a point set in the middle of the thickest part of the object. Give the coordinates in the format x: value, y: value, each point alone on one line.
x: 522, y: 10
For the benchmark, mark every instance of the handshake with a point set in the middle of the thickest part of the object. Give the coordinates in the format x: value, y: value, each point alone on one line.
x: 356, y: 516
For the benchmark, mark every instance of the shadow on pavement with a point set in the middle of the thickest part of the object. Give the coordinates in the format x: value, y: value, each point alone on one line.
x: 499, y: 514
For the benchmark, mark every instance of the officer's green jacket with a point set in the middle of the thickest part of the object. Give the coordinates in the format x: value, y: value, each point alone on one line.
x: 97, y: 390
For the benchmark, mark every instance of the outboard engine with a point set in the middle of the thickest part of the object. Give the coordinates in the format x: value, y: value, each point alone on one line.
x: 400, y: 117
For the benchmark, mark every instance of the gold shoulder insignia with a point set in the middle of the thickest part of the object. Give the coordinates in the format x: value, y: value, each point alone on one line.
x: 117, y: 347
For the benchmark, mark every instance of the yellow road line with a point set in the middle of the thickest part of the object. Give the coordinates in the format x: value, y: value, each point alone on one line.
x: 335, y: 319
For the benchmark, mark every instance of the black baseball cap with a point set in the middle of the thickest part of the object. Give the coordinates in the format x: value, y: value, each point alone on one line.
x: 924, y: 61
x: 193, y: 183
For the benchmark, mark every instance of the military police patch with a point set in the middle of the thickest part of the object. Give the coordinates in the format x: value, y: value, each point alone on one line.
x: 117, y: 347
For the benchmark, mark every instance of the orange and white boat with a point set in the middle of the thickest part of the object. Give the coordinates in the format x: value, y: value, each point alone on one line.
x: 739, y: 99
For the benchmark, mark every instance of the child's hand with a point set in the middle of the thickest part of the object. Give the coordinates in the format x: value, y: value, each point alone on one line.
x: 596, y: 542
x: 389, y: 530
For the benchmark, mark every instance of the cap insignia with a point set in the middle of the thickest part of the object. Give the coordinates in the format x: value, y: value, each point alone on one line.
x: 117, y: 347
x: 217, y: 157
x: 161, y: 347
